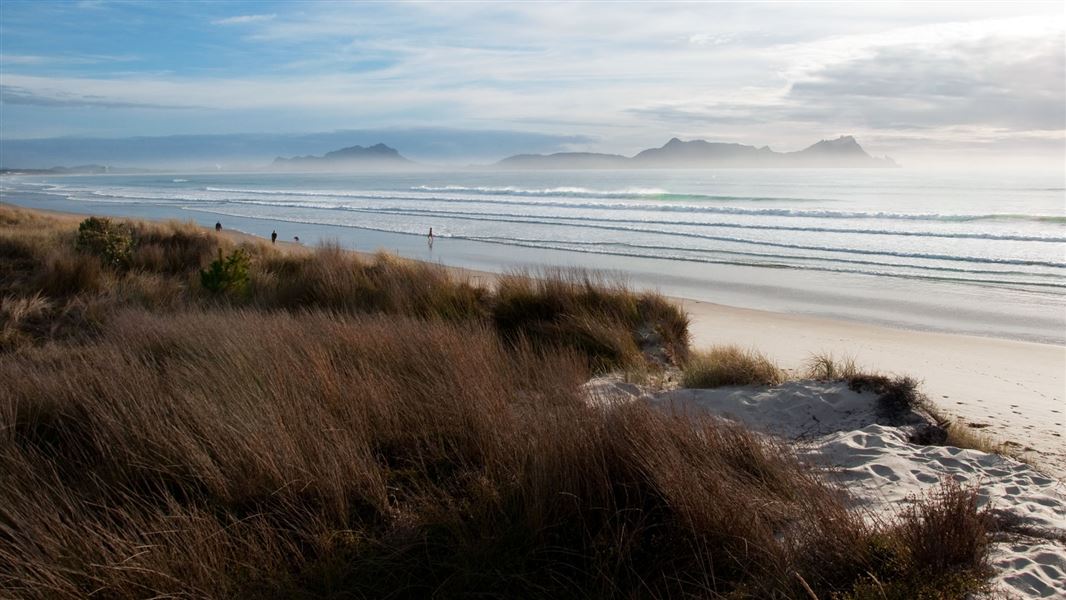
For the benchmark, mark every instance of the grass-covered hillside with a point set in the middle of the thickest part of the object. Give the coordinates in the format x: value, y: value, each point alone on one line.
x: 183, y: 415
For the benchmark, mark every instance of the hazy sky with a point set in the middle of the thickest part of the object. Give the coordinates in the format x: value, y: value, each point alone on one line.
x: 911, y: 80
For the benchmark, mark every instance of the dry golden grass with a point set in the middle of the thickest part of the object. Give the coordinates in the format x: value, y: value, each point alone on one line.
x: 369, y: 429
x: 610, y: 325
x: 826, y: 367
x: 729, y: 365
x: 235, y: 453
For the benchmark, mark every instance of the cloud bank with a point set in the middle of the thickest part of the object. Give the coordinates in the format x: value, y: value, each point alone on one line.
x: 908, y: 80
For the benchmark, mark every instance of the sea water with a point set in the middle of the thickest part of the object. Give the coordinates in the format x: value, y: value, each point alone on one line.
x: 967, y: 253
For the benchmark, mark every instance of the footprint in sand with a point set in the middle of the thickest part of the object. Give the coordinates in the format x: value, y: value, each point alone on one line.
x: 886, y: 472
x: 926, y: 477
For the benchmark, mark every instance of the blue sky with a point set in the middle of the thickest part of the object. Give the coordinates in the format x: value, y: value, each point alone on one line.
x: 977, y: 81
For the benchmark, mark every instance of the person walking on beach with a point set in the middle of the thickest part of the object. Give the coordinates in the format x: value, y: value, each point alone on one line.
x: 429, y: 238
x: 274, y: 237
x: 218, y: 226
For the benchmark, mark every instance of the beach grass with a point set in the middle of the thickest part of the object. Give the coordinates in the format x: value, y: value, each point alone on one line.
x: 159, y: 265
x: 394, y: 431
x: 729, y: 365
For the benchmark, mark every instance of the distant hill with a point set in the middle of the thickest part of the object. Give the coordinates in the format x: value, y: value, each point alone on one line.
x: 378, y: 156
x: 676, y: 154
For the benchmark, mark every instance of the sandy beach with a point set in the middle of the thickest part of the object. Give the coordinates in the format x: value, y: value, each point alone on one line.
x: 1009, y: 390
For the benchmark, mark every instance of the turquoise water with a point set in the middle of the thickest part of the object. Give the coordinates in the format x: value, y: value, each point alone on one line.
x: 968, y: 253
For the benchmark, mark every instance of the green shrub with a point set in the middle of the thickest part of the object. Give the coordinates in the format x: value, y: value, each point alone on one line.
x: 112, y: 242
x: 227, y: 275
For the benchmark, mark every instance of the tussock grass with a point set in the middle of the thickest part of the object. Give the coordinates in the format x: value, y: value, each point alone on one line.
x: 157, y: 266
x: 599, y: 317
x: 378, y: 428
x: 942, y: 541
x: 962, y: 436
x: 895, y: 394
x: 729, y: 365
x: 826, y: 367
x: 901, y: 394
x: 338, y: 280
x: 236, y: 453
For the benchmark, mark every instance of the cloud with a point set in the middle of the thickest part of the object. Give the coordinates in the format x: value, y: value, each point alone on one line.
x: 627, y: 77
x: 57, y: 99
x: 980, y: 74
x: 23, y: 59
x: 84, y: 59
x: 978, y: 81
x: 243, y: 19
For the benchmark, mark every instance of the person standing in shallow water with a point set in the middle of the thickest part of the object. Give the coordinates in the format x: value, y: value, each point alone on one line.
x: 429, y: 238
x: 274, y: 237
x: 218, y: 226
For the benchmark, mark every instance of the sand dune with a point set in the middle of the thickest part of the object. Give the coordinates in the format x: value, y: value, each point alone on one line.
x: 1014, y: 392
x: 868, y: 453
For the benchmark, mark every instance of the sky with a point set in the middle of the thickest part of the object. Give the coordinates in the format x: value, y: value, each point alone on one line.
x: 951, y: 82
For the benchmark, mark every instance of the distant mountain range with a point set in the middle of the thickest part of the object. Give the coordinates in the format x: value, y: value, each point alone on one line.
x: 378, y: 156
x: 676, y: 154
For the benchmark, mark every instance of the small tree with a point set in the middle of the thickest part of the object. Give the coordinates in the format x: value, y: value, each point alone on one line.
x: 227, y: 275
x: 112, y: 242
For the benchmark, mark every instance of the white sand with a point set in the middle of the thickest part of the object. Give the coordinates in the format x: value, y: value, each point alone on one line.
x: 844, y: 433
x: 1014, y: 392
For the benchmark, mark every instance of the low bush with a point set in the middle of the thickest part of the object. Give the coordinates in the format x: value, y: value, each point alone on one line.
x: 111, y: 242
x: 729, y: 365
x: 227, y: 275
x: 895, y: 395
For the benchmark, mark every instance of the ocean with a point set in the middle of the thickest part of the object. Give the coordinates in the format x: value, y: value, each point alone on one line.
x: 981, y: 254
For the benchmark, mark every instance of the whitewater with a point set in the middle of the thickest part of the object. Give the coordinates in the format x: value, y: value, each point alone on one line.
x: 969, y: 253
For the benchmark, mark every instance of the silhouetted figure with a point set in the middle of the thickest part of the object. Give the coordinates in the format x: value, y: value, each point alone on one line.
x: 297, y: 238
x: 429, y: 238
x: 273, y: 237
x: 218, y: 226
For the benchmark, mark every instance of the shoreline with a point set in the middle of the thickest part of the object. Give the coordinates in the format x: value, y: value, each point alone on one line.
x: 1012, y: 391
x: 918, y: 304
